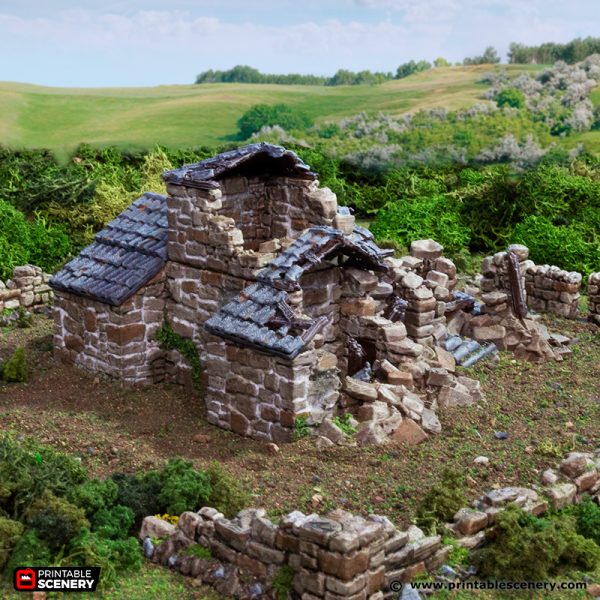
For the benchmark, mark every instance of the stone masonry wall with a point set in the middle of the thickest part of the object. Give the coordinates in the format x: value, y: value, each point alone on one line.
x: 594, y: 297
x: 117, y: 341
x: 28, y: 288
x: 340, y: 555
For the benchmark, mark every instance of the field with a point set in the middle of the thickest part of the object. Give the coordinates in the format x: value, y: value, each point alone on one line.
x: 190, y: 115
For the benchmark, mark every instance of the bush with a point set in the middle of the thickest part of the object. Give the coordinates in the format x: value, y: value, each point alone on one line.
x: 30, y: 551
x: 94, y: 495
x: 10, y: 533
x: 263, y: 115
x: 183, y: 488
x: 14, y: 370
x: 113, y: 523
x: 139, y: 492
x: 527, y: 548
x: 55, y: 520
x: 437, y: 217
x: 442, y: 500
x: 227, y: 495
x: 563, y: 246
x: 587, y: 515
x: 511, y: 97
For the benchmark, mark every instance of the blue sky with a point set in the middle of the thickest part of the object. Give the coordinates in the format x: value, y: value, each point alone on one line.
x: 147, y: 42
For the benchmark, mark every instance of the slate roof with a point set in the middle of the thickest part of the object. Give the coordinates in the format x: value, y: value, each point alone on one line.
x: 260, y: 316
x: 206, y: 173
x: 124, y: 256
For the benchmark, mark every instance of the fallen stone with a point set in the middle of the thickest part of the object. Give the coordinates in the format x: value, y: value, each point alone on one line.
x: 153, y: 527
x: 409, y: 433
x: 562, y: 494
x: 574, y: 465
x: 429, y: 421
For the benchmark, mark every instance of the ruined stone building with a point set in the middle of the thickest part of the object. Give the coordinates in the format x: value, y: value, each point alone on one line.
x: 293, y: 308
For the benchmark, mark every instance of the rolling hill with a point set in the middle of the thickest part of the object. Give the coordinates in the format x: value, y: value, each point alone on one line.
x: 187, y: 115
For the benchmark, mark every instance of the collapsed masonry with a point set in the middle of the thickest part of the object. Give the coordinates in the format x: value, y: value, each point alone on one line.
x: 294, y: 309
x: 27, y: 288
x: 341, y: 555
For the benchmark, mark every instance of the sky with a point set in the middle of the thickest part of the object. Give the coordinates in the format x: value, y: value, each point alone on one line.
x: 99, y: 43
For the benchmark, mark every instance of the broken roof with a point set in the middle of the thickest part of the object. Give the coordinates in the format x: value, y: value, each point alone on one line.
x: 254, y: 159
x: 124, y: 256
x: 260, y: 316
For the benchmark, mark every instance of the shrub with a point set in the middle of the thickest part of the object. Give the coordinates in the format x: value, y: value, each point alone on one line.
x: 14, y: 369
x: 437, y: 217
x: 527, y: 548
x: 261, y: 115
x: 442, y: 500
x: 511, y: 97
x: 113, y: 523
x: 587, y: 515
x: 29, y: 551
x: 10, y: 533
x: 139, y: 492
x: 227, y: 495
x: 55, y: 520
x: 183, y: 488
x: 94, y: 495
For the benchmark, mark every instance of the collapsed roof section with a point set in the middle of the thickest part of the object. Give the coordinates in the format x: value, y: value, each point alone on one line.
x: 124, y: 256
x: 252, y: 160
x: 260, y: 316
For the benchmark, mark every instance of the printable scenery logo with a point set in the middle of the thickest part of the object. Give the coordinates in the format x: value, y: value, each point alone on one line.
x: 42, y: 579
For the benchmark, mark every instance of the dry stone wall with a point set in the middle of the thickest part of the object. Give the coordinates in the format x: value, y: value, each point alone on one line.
x: 340, y: 555
x: 116, y: 341
x: 594, y: 297
x: 27, y: 288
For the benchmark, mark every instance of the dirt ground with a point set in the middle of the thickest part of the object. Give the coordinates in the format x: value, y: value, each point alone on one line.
x: 546, y: 410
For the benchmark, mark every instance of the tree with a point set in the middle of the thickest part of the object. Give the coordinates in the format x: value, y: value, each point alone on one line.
x: 411, y: 67
x: 441, y: 62
x: 265, y: 115
x: 489, y: 56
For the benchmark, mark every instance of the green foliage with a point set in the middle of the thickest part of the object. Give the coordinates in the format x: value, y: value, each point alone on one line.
x: 440, y: 62
x: 186, y: 347
x: 29, y: 551
x: 527, y: 548
x: 113, y: 523
x: 24, y: 320
x: 183, y: 488
x: 14, y: 370
x: 564, y: 246
x: 227, y: 494
x: 93, y: 495
x: 490, y: 56
x: 139, y: 492
x: 282, y: 582
x: 411, y: 67
x: 301, y: 427
x: 55, y: 520
x: 198, y: 551
x: 587, y: 515
x: 574, y: 51
x: 511, y: 97
x: 442, y: 500
x: 10, y: 533
x: 264, y: 115
x: 437, y: 217
x: 344, y: 423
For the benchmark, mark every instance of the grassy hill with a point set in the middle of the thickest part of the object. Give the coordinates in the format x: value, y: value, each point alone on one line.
x: 187, y: 115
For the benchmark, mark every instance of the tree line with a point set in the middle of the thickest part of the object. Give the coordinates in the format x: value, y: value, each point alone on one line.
x: 574, y: 51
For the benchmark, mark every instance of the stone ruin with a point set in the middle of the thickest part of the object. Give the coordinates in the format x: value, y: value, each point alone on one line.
x: 294, y: 309
x: 345, y: 556
x: 27, y: 289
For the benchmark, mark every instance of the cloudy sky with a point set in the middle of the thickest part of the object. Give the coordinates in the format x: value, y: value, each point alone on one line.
x: 151, y: 42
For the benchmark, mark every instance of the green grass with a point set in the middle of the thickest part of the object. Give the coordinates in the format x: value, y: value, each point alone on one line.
x: 188, y: 115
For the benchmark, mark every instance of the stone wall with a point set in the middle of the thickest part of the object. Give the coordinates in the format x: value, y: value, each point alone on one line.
x: 594, y: 297
x: 552, y: 290
x: 340, y: 555
x: 28, y: 288
x: 117, y: 341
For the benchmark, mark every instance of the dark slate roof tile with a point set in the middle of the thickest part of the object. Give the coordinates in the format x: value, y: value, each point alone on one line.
x: 206, y: 173
x: 124, y: 256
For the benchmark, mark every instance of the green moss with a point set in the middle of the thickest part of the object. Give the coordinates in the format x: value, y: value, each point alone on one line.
x: 301, y: 427
x: 15, y: 368
x: 186, y: 347
x: 282, y: 582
